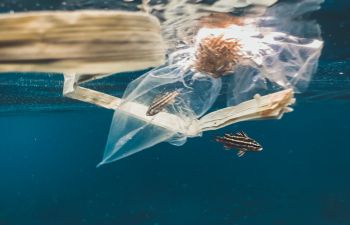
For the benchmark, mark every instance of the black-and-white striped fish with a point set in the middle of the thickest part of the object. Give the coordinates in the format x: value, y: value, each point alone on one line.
x: 161, y: 101
x: 241, y: 142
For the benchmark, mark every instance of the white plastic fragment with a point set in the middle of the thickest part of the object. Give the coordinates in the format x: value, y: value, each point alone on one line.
x: 270, y: 106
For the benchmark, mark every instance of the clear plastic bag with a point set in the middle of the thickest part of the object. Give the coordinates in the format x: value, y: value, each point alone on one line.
x: 266, y: 58
x: 197, y: 93
x: 290, y: 63
x: 290, y: 48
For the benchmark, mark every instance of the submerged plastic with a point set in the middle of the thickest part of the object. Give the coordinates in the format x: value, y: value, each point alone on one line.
x: 197, y: 93
x: 267, y: 58
x: 288, y: 54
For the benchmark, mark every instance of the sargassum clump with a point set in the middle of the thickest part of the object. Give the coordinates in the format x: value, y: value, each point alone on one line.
x: 217, y: 56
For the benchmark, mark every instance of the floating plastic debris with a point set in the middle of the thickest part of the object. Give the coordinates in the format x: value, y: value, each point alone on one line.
x: 262, y: 54
x: 258, y: 57
x: 83, y: 42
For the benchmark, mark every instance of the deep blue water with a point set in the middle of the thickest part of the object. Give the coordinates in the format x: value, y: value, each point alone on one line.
x: 48, y: 159
x: 48, y: 174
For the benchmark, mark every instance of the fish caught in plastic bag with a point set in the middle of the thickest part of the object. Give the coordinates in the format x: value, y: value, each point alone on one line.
x: 161, y: 102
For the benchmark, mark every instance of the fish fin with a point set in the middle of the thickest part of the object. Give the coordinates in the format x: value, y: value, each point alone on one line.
x: 241, y: 133
x: 218, y: 139
x: 240, y: 153
x: 227, y: 147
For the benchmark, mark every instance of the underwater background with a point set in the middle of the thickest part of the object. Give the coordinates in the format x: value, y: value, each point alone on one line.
x: 50, y: 146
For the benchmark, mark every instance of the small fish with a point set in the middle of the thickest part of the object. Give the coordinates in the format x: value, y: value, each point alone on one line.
x: 161, y: 101
x: 241, y: 142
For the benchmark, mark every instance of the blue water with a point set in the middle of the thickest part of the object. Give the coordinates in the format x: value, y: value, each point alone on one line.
x: 48, y: 174
x: 49, y: 153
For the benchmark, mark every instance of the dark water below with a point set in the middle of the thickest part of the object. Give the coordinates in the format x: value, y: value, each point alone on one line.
x: 50, y: 146
x: 48, y: 174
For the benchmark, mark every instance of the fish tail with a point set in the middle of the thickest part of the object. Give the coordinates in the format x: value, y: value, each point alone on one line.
x: 219, y: 139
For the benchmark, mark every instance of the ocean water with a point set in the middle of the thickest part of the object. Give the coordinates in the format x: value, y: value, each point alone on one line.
x: 50, y: 146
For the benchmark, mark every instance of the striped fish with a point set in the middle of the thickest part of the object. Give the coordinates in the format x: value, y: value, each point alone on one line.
x: 239, y: 141
x: 161, y: 101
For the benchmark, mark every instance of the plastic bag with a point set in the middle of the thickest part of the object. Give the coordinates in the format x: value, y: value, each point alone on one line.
x: 258, y: 57
x: 288, y: 54
x: 197, y: 93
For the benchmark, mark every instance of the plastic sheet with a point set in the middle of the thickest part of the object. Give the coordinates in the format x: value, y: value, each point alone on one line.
x: 257, y: 54
x: 197, y: 94
x: 289, y: 50
x: 133, y: 131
